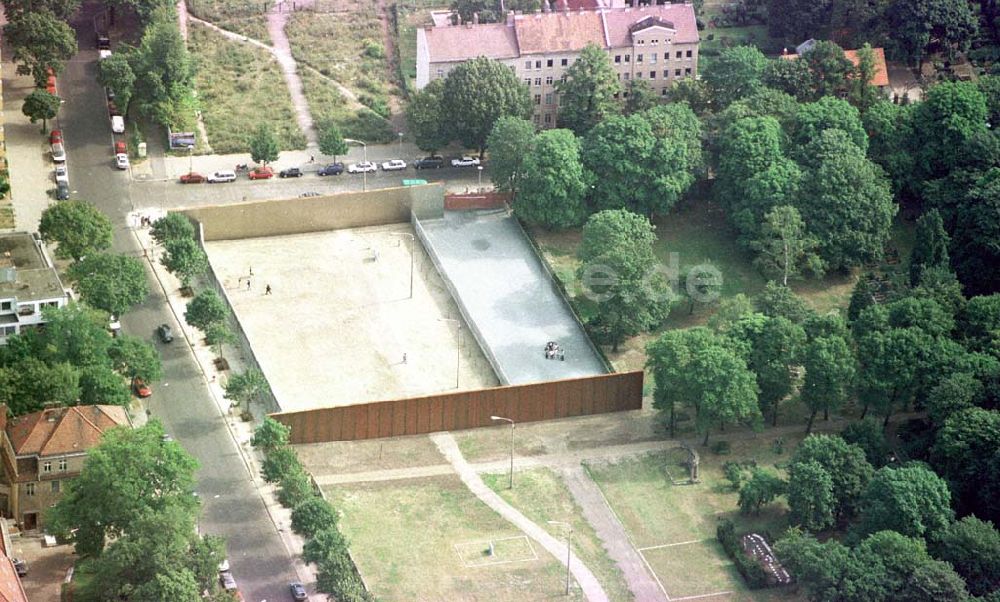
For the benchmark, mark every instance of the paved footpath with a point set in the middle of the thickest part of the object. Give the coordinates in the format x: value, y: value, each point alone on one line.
x: 589, y: 584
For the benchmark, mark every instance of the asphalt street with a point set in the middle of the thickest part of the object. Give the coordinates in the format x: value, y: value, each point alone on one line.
x: 232, y: 506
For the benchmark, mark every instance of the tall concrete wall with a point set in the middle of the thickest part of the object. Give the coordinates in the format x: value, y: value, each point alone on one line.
x: 283, y: 217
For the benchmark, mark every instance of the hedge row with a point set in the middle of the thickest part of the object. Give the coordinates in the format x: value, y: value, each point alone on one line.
x: 751, y: 570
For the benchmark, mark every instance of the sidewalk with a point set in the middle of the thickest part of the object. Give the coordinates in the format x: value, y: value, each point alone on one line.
x: 241, y: 431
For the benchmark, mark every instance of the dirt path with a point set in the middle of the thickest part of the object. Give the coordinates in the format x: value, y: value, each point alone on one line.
x: 389, y: 41
x: 282, y: 51
x: 589, y: 584
x: 612, y: 534
x: 182, y: 24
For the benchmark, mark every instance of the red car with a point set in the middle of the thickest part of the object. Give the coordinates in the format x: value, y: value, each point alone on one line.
x: 140, y: 387
x: 192, y: 178
x: 120, y: 147
x: 261, y: 173
x: 55, y: 137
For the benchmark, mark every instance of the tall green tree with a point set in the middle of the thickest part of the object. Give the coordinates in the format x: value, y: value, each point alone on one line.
x: 639, y: 97
x: 972, y: 546
x: 980, y: 323
x: 736, y: 73
x: 930, y: 250
x: 913, y: 25
x: 846, y: 464
x: 810, y: 496
x: 426, y: 118
x: 966, y: 453
x: 331, y: 140
x: 619, y: 272
x: 41, y: 105
x: 62, y: 9
x: 761, y: 489
x: 588, y: 93
x: 270, y: 435
x: 246, y: 387
x: 263, y: 145
x: 476, y: 94
x: 162, y: 65
x: 792, y: 77
x: 950, y: 115
x: 776, y: 345
x: 185, y: 259
x: 784, y: 248
x: 830, y: 370
x: 78, y: 228
x: 115, y: 73
x: 510, y: 142
x: 553, y: 182
x: 910, y: 500
x: 974, y: 251
x: 828, y: 112
x: 669, y: 360
x: 101, y: 385
x: 40, y: 41
x: 114, y: 283
x: 830, y: 69
x: 132, y: 357
x: 205, y: 309
x: 172, y: 226
x: 132, y: 474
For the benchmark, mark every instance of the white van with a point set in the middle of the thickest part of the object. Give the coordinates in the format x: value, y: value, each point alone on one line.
x: 118, y: 124
x: 221, y: 176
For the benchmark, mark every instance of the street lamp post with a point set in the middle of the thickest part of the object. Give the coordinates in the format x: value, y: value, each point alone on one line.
x: 190, y: 158
x: 569, y: 542
x: 510, y: 484
x: 401, y: 145
x: 458, y: 347
x: 413, y: 242
x: 364, y: 174
x: 479, y: 168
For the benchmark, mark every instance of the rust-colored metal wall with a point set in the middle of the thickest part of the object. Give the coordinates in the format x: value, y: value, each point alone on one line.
x: 467, y: 409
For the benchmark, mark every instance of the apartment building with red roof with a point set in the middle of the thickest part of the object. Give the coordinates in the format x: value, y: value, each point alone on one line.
x: 657, y: 44
x: 41, y: 451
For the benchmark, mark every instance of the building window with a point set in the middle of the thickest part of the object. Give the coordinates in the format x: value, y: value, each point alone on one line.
x: 62, y: 464
x: 663, y: 92
x: 527, y: 81
x: 687, y: 71
x: 666, y: 73
x: 9, y: 330
x: 677, y: 72
x: 536, y: 120
x: 655, y: 42
x: 548, y: 63
x: 619, y: 77
x: 29, y: 489
x: 440, y: 73
x: 628, y: 57
x: 527, y: 64
x: 6, y: 305
x: 538, y: 81
x: 626, y: 76
x: 652, y: 59
x: 688, y: 54
x: 46, y: 466
x: 548, y: 98
x: 618, y: 58
x: 548, y: 80
x: 638, y: 58
x: 678, y: 54
x: 638, y: 74
x: 55, y: 486
x: 641, y: 42
x: 538, y: 64
x: 538, y: 99
x: 564, y: 62
x: 548, y: 118
x: 652, y: 75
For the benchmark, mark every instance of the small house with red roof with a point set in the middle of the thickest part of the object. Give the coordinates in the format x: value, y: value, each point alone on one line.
x: 41, y: 451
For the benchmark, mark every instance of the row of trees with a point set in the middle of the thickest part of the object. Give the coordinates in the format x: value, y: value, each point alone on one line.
x: 132, y: 514
x: 312, y: 516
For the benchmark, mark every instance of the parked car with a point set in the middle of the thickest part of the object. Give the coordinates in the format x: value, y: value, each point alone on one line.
x: 365, y: 167
x: 193, y: 178
x: 224, y: 565
x: 113, y: 109
x: 311, y: 193
x: 165, y: 333
x: 118, y: 124
x: 394, y: 165
x: 222, y: 176
x: 103, y: 41
x: 227, y: 581
x: 433, y: 162
x: 291, y: 172
x: 465, y: 162
x: 120, y: 147
x: 103, y: 54
x: 109, y: 93
x: 55, y: 136
x: 261, y: 173
x: 61, y: 174
x: 62, y: 191
x: 121, y: 161
x: 298, y: 591
x: 140, y: 388
x: 22, y: 567
x: 58, y: 152
x: 333, y: 169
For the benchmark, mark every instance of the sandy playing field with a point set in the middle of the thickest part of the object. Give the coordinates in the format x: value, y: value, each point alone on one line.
x: 340, y: 326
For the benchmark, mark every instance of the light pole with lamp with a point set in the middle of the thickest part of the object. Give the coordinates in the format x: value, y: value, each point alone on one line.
x: 364, y: 174
x: 510, y: 484
x: 413, y: 242
x: 569, y: 542
x: 458, y: 348
x: 479, y: 168
x: 190, y: 158
x: 400, y: 145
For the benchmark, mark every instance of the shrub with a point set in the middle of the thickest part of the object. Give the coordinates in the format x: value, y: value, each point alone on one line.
x: 368, y: 126
x: 278, y: 463
x: 734, y: 473
x: 721, y: 448
x: 751, y: 570
x: 373, y: 49
x: 312, y: 515
x: 294, y: 488
x: 376, y: 104
x: 324, y: 544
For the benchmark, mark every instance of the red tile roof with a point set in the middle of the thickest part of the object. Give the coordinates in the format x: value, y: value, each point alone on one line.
x: 558, y: 32
x: 60, y: 431
x: 464, y: 42
x: 10, y: 584
x: 881, y: 77
x: 680, y: 16
x: 563, y: 5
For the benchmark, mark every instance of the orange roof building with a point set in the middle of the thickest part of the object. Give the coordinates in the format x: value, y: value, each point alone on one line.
x: 880, y: 79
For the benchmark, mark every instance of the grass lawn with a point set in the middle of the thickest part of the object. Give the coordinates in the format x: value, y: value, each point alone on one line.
x: 416, y: 540
x: 697, y: 232
x: 541, y: 496
x: 239, y: 87
x: 326, y: 103
x: 413, y: 14
x: 346, y: 47
x: 656, y: 512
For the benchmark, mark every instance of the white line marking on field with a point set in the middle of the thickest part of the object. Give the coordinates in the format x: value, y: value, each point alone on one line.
x: 702, y: 596
x: 670, y: 545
